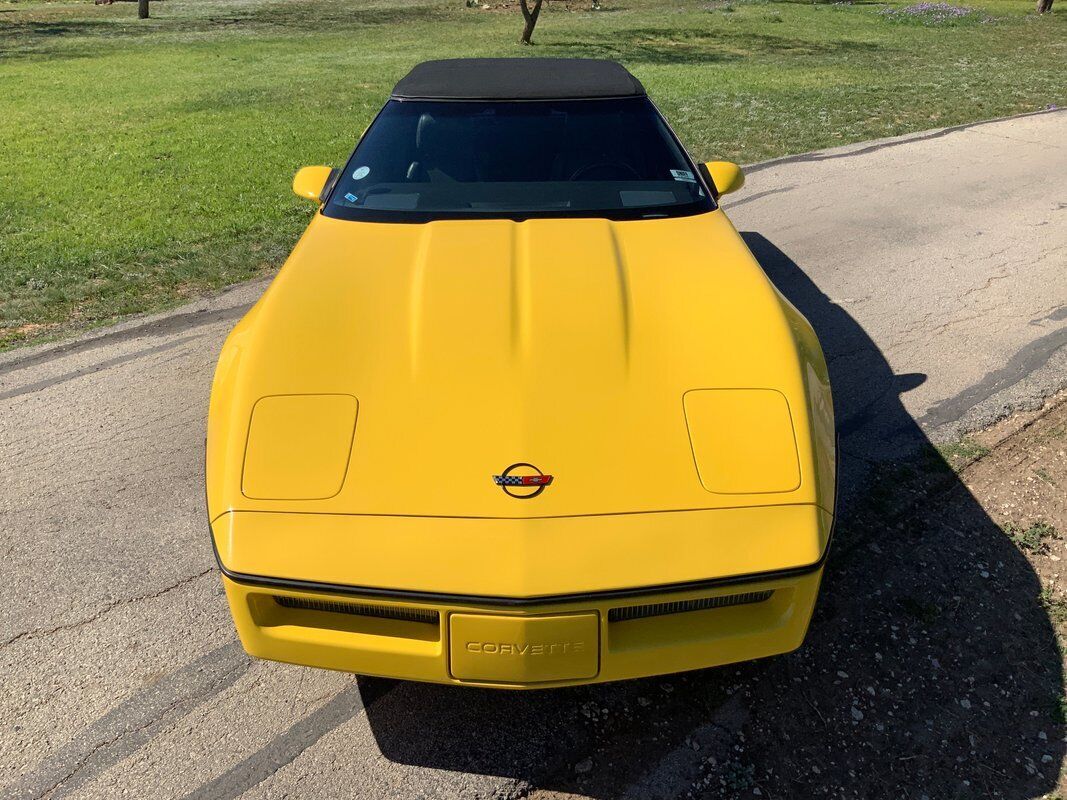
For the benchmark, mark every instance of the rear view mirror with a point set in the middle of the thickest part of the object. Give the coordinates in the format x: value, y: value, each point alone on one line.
x: 310, y: 181
x: 726, y: 176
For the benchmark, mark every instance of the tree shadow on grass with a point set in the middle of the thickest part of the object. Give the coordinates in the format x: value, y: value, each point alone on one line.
x: 931, y: 667
x: 30, y: 35
x: 49, y: 38
x: 315, y: 17
x: 683, y: 46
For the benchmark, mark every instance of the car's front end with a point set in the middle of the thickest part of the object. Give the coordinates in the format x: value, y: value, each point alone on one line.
x: 503, y: 643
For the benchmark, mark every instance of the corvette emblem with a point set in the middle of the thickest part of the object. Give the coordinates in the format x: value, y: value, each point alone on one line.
x: 522, y: 481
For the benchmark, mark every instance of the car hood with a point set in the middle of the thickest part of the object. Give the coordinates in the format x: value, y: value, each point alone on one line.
x: 468, y: 346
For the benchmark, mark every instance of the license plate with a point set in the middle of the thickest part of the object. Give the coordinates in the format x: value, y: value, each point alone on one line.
x: 508, y: 649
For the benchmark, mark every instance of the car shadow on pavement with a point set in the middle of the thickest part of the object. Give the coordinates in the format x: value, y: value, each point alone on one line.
x: 931, y: 668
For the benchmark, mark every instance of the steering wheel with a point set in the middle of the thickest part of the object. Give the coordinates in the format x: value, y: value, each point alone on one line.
x: 617, y: 166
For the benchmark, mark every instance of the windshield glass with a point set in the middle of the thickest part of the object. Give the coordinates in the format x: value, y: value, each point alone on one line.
x: 426, y: 160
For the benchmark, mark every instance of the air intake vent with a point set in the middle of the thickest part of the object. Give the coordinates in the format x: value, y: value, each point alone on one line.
x: 681, y: 606
x: 359, y: 609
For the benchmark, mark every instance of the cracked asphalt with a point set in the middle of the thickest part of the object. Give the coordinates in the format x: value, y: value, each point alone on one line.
x: 934, y: 267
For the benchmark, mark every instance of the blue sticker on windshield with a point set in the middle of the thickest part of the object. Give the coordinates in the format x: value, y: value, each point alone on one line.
x: 683, y: 175
x: 351, y: 198
x: 361, y: 173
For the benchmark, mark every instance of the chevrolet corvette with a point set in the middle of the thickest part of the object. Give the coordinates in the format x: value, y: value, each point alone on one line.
x: 521, y: 409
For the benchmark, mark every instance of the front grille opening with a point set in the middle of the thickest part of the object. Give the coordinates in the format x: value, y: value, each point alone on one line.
x: 682, y: 606
x: 426, y: 615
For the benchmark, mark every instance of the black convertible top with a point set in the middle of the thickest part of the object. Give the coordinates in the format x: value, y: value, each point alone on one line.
x: 517, y: 79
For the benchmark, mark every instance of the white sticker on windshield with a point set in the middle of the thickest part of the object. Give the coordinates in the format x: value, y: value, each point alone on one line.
x: 683, y: 175
x: 361, y: 173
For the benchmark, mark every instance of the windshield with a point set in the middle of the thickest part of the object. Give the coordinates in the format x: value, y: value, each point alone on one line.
x: 426, y: 160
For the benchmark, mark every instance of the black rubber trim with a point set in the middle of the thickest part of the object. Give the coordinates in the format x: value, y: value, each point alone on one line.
x: 328, y: 186
x: 706, y: 175
x: 439, y: 598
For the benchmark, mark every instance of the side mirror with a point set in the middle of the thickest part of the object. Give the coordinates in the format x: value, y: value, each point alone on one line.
x: 310, y: 181
x: 726, y: 176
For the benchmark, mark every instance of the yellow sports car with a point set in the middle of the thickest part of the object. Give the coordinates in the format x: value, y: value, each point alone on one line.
x: 521, y: 409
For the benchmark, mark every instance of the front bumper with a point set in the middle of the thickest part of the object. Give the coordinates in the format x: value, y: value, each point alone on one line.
x: 566, y: 641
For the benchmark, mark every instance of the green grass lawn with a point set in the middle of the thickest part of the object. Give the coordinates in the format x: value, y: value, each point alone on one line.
x: 142, y: 162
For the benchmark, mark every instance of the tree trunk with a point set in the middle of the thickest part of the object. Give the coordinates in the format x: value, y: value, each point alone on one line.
x: 531, y: 19
x: 142, y: 9
x: 1044, y: 6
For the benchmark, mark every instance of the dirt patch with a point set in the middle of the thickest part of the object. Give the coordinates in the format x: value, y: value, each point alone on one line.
x: 1022, y: 484
x: 26, y: 330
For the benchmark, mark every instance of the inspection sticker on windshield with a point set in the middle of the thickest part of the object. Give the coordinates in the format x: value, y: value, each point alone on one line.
x: 351, y: 198
x: 683, y: 175
x: 361, y: 173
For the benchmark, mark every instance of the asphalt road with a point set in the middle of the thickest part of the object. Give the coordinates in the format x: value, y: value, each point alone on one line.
x: 942, y: 255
